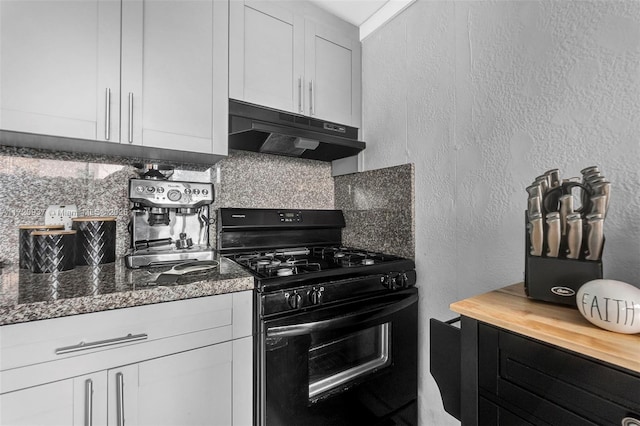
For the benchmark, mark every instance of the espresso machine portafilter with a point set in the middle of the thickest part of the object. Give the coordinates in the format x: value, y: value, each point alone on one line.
x: 169, y: 222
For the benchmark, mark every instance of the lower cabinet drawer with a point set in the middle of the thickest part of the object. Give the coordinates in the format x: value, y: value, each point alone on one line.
x: 46, y: 351
x: 54, y: 339
x: 554, y: 385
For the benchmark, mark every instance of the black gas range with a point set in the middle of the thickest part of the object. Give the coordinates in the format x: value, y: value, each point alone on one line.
x: 336, y: 326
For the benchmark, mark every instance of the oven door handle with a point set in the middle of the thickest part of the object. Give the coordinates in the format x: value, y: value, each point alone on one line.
x: 341, y: 321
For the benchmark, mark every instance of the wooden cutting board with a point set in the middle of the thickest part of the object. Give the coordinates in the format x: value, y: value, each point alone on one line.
x: 560, y: 325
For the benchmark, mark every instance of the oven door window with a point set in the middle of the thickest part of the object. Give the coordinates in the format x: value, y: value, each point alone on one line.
x: 344, y: 359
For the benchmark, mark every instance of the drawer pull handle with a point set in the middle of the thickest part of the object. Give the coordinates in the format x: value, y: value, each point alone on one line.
x: 82, y: 346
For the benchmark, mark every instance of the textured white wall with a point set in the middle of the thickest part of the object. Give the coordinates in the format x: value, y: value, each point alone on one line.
x: 483, y: 96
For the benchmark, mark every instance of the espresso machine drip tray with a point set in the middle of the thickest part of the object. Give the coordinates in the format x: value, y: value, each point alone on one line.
x: 167, y: 255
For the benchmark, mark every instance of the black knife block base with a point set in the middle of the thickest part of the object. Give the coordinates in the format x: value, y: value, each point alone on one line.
x: 556, y: 280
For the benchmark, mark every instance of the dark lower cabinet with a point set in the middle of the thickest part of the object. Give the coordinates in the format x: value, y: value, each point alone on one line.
x: 509, y: 379
x: 490, y: 413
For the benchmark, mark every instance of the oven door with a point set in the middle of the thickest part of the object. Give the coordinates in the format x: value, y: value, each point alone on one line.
x: 350, y: 364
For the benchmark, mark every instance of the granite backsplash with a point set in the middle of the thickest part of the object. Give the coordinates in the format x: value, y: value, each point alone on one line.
x: 379, y: 209
x: 31, y: 180
x: 378, y: 204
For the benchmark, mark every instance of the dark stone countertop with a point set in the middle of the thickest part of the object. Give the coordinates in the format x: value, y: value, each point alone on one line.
x: 25, y: 296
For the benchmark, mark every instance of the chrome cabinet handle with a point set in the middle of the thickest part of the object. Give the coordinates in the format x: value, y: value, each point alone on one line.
x: 88, y: 402
x: 312, y: 99
x: 130, y: 117
x: 120, y: 398
x: 82, y: 346
x: 107, y: 114
x: 300, y: 103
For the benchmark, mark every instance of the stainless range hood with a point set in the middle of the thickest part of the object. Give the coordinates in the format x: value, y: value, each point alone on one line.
x: 259, y: 129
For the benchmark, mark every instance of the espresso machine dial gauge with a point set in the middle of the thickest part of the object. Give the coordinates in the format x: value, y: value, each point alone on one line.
x: 174, y: 195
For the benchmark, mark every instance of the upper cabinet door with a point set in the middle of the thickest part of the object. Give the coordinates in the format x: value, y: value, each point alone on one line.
x: 333, y: 71
x: 266, y: 56
x: 175, y: 74
x: 285, y: 56
x: 60, y: 67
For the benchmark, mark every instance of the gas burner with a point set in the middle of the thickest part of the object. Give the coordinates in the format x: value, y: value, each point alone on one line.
x: 284, y: 272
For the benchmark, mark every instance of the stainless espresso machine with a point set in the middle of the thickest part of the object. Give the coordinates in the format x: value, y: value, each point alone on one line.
x: 169, y: 222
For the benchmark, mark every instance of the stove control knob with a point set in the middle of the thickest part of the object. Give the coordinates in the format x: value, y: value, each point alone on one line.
x: 293, y: 299
x: 174, y: 195
x: 402, y: 280
x: 315, y: 295
x: 391, y: 281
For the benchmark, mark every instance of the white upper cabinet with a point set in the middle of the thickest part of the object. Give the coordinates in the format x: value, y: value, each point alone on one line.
x: 60, y: 67
x: 289, y: 56
x: 141, y: 72
x: 266, y: 54
x: 174, y: 74
x: 332, y: 70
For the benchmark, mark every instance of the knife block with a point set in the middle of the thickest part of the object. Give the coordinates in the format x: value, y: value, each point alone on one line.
x: 556, y: 279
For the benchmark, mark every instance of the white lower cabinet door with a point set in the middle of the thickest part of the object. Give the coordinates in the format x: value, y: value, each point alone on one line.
x: 44, y: 405
x: 187, y: 389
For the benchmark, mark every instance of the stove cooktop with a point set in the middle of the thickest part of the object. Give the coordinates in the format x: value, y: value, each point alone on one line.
x: 282, y: 268
x: 308, y: 261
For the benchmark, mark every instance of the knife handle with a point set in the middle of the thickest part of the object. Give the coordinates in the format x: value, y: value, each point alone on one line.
x: 574, y: 235
x: 604, y: 189
x: 554, y: 177
x: 534, y: 190
x: 566, y: 208
x: 595, y: 238
x: 553, y: 234
x: 598, y: 205
x: 534, y: 206
x: 536, y: 235
x: 590, y: 169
